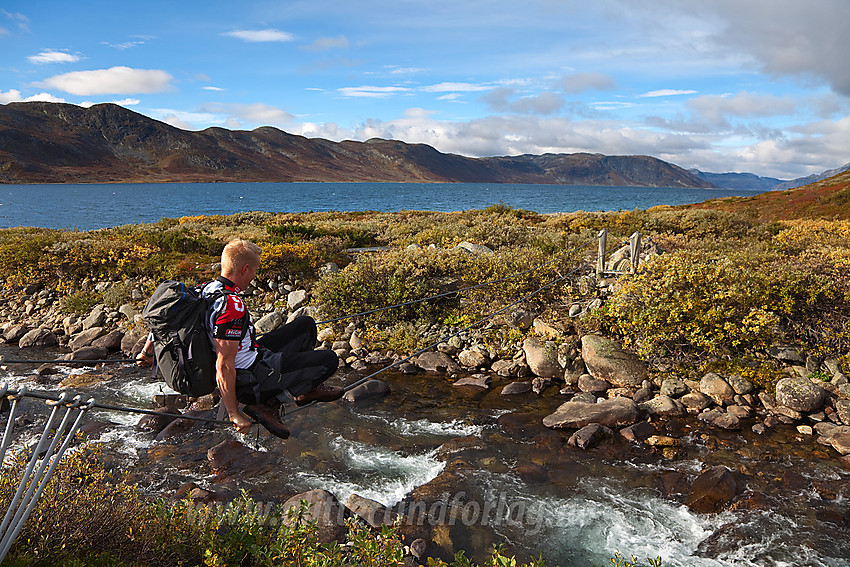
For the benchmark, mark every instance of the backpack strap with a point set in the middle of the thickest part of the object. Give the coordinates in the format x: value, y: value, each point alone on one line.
x: 245, y: 318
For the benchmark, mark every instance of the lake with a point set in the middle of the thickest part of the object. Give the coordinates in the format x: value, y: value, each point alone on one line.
x: 93, y: 206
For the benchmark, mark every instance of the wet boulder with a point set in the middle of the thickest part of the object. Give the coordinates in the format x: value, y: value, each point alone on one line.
x: 369, y: 389
x: 85, y: 338
x: 87, y: 353
x: 587, y: 383
x: 516, y: 388
x: 663, y: 406
x: 111, y: 341
x: 542, y: 358
x: 325, y: 510
x: 614, y: 412
x: 800, y: 394
x: 372, y: 512
x: 472, y: 358
x: 475, y: 382
x: 712, y: 490
x: 436, y: 362
x: 589, y: 436
x: 154, y: 423
x: 639, y: 432
x: 605, y: 359
x: 232, y: 458
x: 14, y: 333
x: 40, y: 337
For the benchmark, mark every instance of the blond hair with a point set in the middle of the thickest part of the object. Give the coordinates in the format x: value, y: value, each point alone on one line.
x: 237, y: 253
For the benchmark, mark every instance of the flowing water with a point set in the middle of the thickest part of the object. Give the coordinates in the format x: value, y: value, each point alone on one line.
x: 485, y: 468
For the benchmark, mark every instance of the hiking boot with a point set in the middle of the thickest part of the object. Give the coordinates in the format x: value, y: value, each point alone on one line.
x: 269, y: 418
x: 322, y: 393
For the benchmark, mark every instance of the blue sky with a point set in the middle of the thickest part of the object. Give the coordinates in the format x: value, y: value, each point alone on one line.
x: 720, y: 85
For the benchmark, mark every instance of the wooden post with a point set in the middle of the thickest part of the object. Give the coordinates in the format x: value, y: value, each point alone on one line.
x: 603, y: 243
x: 634, y: 248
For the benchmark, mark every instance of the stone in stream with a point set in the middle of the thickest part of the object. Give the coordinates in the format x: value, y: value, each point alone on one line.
x: 605, y: 359
x: 369, y: 389
x: 477, y: 381
x: 436, y: 362
x: 639, y: 432
x: 232, y: 458
x: 712, y: 490
x: 111, y: 341
x: 542, y: 358
x: 181, y: 426
x: 87, y: 353
x: 589, y: 436
x: 372, y: 512
x: 325, y: 510
x: 40, y: 337
x: 615, y: 412
x: 516, y: 388
x: 85, y: 338
x: 663, y: 406
x: 155, y: 423
x: 14, y: 333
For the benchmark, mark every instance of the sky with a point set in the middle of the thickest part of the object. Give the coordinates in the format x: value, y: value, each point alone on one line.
x: 760, y: 86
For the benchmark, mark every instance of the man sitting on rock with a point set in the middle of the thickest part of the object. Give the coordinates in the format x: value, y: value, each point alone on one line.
x: 255, y: 371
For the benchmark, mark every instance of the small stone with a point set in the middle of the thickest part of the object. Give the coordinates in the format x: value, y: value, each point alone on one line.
x: 481, y: 381
x: 805, y: 430
x: 516, y: 388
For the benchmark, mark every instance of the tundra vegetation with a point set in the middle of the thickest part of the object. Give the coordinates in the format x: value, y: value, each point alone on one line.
x: 722, y: 289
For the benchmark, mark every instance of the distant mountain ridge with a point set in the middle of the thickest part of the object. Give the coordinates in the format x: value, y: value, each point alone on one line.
x: 799, y: 182
x: 62, y: 143
x: 740, y: 181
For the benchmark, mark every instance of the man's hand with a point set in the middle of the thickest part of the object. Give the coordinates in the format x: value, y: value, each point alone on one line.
x: 241, y: 422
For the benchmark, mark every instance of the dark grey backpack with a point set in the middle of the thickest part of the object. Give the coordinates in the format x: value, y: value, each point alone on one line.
x: 177, y: 316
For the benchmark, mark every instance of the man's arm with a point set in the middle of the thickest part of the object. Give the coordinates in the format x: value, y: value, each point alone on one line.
x: 225, y: 375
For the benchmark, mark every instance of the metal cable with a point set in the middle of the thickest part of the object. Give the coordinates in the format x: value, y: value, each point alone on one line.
x: 23, y: 392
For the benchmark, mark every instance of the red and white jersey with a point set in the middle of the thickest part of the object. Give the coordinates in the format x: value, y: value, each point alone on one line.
x: 226, y: 320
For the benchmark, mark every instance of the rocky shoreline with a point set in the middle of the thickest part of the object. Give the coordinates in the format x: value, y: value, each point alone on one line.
x: 609, y: 395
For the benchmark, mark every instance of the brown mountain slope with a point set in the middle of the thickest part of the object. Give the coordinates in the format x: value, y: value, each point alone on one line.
x: 826, y: 199
x: 61, y: 143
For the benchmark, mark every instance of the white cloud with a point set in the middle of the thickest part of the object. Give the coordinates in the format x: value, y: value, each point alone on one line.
x: 666, y: 92
x: 372, y: 92
x: 499, y: 100
x: 212, y: 88
x: 455, y: 87
x: 19, y: 19
x: 177, y: 122
x: 326, y: 43
x: 115, y: 80
x: 260, y: 36
x: 124, y: 45
x: 405, y: 70
x: 257, y: 113
x: 581, y: 82
x: 715, y: 108
x: 53, y: 56
x: 13, y: 95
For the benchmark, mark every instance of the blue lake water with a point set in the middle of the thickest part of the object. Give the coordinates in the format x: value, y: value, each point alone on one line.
x: 92, y: 206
